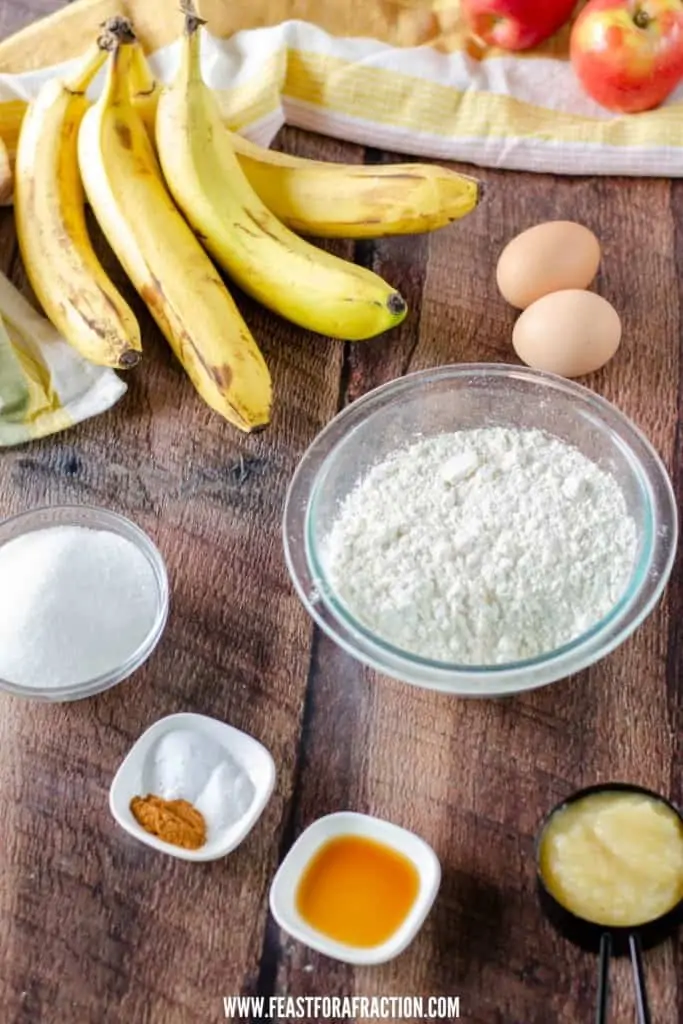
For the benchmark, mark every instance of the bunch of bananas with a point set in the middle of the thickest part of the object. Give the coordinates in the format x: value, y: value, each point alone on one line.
x: 171, y: 187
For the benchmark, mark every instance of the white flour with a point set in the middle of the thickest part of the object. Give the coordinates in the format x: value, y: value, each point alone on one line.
x: 482, y: 547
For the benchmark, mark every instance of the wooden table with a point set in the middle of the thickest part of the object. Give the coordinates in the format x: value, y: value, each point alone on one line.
x: 96, y: 928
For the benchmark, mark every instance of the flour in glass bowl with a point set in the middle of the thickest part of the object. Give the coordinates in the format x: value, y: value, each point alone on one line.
x: 482, y: 547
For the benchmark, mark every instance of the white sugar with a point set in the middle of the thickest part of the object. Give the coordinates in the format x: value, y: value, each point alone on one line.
x: 75, y: 603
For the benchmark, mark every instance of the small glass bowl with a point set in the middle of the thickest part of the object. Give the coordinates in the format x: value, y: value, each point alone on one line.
x: 460, y: 397
x: 94, y: 519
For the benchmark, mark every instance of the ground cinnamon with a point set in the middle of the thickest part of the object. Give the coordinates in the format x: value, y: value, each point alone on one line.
x: 174, y: 821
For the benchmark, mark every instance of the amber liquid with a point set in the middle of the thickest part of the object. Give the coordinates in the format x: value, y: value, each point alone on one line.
x: 357, y: 891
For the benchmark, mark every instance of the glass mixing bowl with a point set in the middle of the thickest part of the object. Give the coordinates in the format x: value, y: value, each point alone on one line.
x: 461, y: 397
x: 95, y: 519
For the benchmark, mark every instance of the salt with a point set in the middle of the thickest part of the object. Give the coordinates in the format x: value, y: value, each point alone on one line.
x: 75, y: 603
x: 227, y: 795
x: 187, y: 766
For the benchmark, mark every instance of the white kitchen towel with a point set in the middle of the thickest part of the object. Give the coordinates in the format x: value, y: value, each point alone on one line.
x: 45, y: 386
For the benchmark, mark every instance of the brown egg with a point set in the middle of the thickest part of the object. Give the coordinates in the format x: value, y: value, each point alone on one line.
x: 547, y: 258
x: 570, y: 333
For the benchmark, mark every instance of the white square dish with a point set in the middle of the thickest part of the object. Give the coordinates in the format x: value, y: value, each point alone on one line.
x: 285, y: 884
x: 135, y: 774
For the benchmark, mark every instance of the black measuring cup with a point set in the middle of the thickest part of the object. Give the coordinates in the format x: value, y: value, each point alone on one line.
x: 605, y: 940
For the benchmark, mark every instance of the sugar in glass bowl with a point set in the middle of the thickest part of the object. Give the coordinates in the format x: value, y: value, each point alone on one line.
x: 99, y: 519
x: 464, y: 397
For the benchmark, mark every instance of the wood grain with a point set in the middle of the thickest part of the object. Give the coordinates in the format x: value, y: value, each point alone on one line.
x: 99, y: 930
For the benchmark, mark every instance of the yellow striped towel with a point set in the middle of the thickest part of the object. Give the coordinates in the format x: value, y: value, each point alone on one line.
x: 395, y: 74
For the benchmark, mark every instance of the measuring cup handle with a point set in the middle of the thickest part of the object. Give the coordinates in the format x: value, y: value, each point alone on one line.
x: 639, y: 979
x: 603, y: 978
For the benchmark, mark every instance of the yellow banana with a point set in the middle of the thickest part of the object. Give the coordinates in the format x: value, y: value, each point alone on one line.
x: 64, y: 271
x: 144, y: 89
x: 368, y: 201
x: 355, y: 201
x: 310, y: 287
x: 6, y: 177
x: 160, y: 254
x: 14, y: 111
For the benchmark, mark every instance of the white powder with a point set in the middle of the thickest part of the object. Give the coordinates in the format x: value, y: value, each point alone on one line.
x: 74, y: 603
x: 185, y: 765
x: 482, y: 547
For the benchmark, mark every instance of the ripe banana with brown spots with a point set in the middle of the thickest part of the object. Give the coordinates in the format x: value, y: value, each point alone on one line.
x: 66, y: 275
x: 161, y: 255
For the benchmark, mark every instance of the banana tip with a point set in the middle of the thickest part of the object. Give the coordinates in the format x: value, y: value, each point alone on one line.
x: 129, y: 359
x: 396, y: 304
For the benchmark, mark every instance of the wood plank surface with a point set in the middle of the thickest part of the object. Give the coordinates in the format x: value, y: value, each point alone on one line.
x: 97, y: 929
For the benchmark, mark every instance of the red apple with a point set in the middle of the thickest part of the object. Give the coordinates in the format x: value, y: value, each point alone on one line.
x: 516, y: 24
x: 628, y: 54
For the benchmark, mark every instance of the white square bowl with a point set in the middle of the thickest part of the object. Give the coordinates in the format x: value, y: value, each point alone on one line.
x: 251, y: 755
x: 286, y: 882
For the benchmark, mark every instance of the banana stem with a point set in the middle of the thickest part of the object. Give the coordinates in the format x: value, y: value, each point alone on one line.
x: 92, y: 61
x: 117, y: 30
x: 190, y: 61
x: 142, y: 80
x: 192, y: 20
x: 119, y: 40
x: 191, y: 66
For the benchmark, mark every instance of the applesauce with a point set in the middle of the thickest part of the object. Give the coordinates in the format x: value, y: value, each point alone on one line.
x: 614, y: 858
